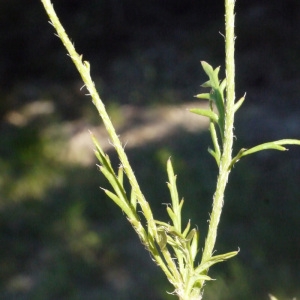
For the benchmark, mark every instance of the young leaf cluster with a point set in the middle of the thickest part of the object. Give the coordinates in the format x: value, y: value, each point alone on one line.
x: 217, y: 100
x: 174, y: 249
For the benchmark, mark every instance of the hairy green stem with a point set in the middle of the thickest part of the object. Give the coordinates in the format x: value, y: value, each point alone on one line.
x: 159, y: 237
x: 84, y: 70
x: 228, y: 133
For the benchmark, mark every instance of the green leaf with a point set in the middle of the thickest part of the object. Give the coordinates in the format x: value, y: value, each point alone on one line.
x: 113, y: 180
x: 265, y: 146
x: 216, y: 94
x: 165, y: 225
x: 171, y: 214
x: 215, y: 78
x: 133, y: 199
x: 120, y: 175
x: 204, y: 266
x: 212, y: 74
x: 176, y: 208
x: 239, y: 103
x: 223, y: 85
x: 206, y: 113
x: 276, y: 145
x: 214, y: 155
x: 207, y: 68
x: 206, y: 84
x: 202, y: 277
x: 191, y: 235
x: 217, y: 152
x: 203, y: 96
x: 237, y: 158
x: 123, y: 205
x: 102, y: 157
x: 162, y: 239
x: 194, y: 244
x: 172, y: 242
x: 186, y: 230
x: 181, y: 204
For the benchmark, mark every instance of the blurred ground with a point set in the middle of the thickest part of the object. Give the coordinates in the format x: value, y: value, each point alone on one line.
x: 60, y: 237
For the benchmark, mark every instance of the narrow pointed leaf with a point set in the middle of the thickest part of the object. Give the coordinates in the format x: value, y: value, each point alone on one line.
x: 276, y: 145
x: 207, y: 68
x: 114, y: 183
x: 96, y: 143
x: 164, y: 225
x: 214, y: 260
x: 181, y: 204
x: 206, y: 113
x: 172, y: 242
x: 186, y: 230
x: 133, y: 199
x: 223, y: 85
x: 215, y: 78
x: 191, y: 234
x: 237, y: 158
x: 174, y: 196
x: 265, y: 146
x: 203, y: 96
x: 119, y: 202
x: 171, y: 214
x: 214, y: 155
x: 239, y: 103
x: 287, y: 142
x: 202, y: 277
x: 194, y: 245
x: 162, y: 239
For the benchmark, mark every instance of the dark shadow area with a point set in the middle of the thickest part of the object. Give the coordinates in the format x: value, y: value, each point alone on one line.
x: 60, y: 236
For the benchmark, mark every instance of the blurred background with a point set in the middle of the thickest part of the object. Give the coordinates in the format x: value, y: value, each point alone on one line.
x: 60, y: 236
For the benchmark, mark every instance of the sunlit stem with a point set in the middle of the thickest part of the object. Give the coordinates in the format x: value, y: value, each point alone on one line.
x: 228, y: 133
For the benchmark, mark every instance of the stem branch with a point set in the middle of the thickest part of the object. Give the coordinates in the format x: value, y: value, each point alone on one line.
x: 83, y: 68
x: 228, y: 133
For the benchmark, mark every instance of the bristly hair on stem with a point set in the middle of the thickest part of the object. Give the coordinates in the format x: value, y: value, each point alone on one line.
x: 174, y: 247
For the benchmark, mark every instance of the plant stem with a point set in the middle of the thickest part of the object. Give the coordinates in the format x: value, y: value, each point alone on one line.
x: 228, y: 133
x: 84, y: 70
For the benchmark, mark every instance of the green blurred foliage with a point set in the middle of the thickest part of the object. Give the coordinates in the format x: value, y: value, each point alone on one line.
x: 60, y: 237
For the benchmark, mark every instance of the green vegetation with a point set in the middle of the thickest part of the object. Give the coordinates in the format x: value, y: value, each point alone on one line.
x: 63, y: 239
x: 158, y: 237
